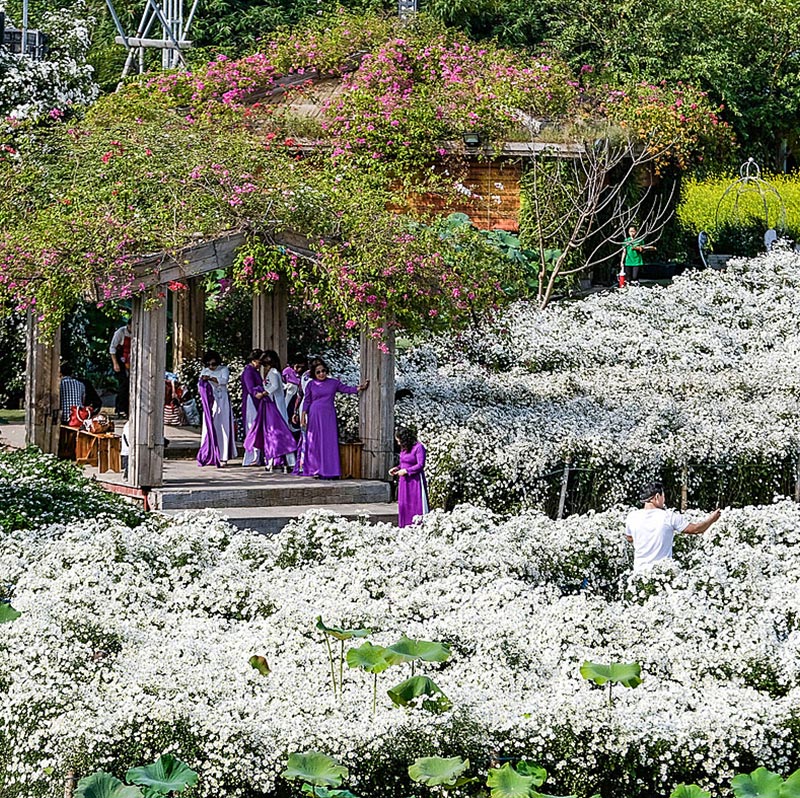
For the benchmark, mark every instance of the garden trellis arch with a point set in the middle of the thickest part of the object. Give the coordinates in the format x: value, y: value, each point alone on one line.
x: 148, y: 358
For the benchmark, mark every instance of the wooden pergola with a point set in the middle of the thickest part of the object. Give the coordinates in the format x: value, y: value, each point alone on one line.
x: 148, y: 359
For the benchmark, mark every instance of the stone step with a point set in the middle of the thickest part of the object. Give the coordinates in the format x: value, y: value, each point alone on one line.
x: 270, y: 520
x: 279, y: 492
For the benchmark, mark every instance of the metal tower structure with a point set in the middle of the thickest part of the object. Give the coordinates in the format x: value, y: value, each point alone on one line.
x: 164, y: 17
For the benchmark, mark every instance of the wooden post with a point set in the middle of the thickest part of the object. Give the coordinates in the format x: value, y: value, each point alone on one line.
x: 562, y: 499
x: 684, y: 487
x: 42, y: 401
x: 376, y: 408
x: 188, y: 322
x: 148, y: 362
x: 797, y: 478
x: 269, y: 321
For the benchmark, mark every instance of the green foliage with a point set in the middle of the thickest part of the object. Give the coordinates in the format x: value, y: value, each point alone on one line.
x: 408, y: 693
x: 407, y: 650
x: 507, y: 782
x: 182, y: 156
x: 104, y: 785
x: 368, y: 657
x: 37, y: 489
x: 435, y: 771
x: 260, y: 664
x: 341, y: 634
x: 736, y: 222
x: 626, y: 674
x: 689, y: 791
x: 763, y: 783
x: 166, y: 775
x: 8, y: 613
x: 315, y: 768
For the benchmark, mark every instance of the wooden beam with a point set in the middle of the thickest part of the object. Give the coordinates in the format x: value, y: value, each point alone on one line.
x: 148, y: 362
x: 162, y: 44
x: 42, y: 401
x: 270, y: 321
x: 376, y: 408
x: 188, y: 322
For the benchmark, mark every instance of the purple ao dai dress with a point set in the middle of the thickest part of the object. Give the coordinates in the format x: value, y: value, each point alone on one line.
x: 251, y: 385
x: 412, y: 490
x: 271, y: 434
x: 217, y: 444
x: 322, y: 435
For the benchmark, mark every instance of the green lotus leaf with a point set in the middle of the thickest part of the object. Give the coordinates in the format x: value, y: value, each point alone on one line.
x: 626, y: 674
x: 367, y: 657
x: 505, y: 782
x: 761, y: 783
x: 791, y: 787
x: 315, y: 768
x: 408, y: 650
x: 260, y: 664
x: 167, y: 774
x: 534, y: 794
x: 8, y: 613
x: 341, y: 634
x: 104, y: 785
x: 689, y: 791
x: 324, y: 792
x: 406, y: 693
x: 527, y: 768
x: 436, y: 770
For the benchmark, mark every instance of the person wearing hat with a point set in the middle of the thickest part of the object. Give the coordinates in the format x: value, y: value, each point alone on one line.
x: 653, y: 528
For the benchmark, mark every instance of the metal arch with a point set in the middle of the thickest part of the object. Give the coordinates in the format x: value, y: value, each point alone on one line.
x: 751, y: 182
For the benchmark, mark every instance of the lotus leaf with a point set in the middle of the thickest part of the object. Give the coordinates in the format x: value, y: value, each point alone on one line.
x: 505, y: 782
x: 626, y: 674
x: 436, y: 770
x: 104, y: 785
x: 407, y: 650
x: 689, y: 791
x: 791, y: 787
x: 761, y: 783
x: 405, y: 694
x: 323, y: 792
x: 315, y: 768
x: 260, y: 664
x: 367, y: 657
x: 167, y: 774
x: 528, y: 768
x: 341, y: 634
x: 8, y: 613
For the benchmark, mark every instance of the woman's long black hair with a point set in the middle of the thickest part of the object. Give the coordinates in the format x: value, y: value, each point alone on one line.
x: 406, y: 437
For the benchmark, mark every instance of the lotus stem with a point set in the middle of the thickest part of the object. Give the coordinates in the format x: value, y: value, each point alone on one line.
x: 341, y: 668
x: 610, y: 698
x: 330, y: 660
x: 374, y: 693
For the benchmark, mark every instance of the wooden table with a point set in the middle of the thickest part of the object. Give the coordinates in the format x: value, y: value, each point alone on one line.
x: 102, y: 451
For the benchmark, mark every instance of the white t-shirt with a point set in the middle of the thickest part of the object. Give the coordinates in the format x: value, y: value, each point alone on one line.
x: 652, y: 532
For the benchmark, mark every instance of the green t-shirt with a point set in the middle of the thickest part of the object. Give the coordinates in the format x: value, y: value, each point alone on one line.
x: 632, y: 256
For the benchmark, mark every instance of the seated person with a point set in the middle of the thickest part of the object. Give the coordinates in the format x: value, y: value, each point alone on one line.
x: 71, y: 392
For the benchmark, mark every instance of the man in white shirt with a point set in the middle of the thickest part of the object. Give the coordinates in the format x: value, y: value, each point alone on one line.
x: 653, y: 528
x: 120, y: 351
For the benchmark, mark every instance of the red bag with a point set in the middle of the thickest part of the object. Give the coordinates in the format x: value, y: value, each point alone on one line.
x: 77, y: 415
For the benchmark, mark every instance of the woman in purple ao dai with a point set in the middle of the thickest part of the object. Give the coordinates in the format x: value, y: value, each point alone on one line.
x: 319, y: 414
x: 271, y: 434
x: 412, y: 489
x: 252, y: 384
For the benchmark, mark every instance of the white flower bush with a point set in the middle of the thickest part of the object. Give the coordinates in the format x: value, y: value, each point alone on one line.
x: 31, y: 89
x: 136, y: 641
x: 626, y: 387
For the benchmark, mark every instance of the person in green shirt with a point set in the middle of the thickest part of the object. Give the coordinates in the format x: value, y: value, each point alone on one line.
x: 632, y: 249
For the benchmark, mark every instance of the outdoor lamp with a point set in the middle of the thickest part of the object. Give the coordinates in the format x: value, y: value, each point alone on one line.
x: 472, y: 139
